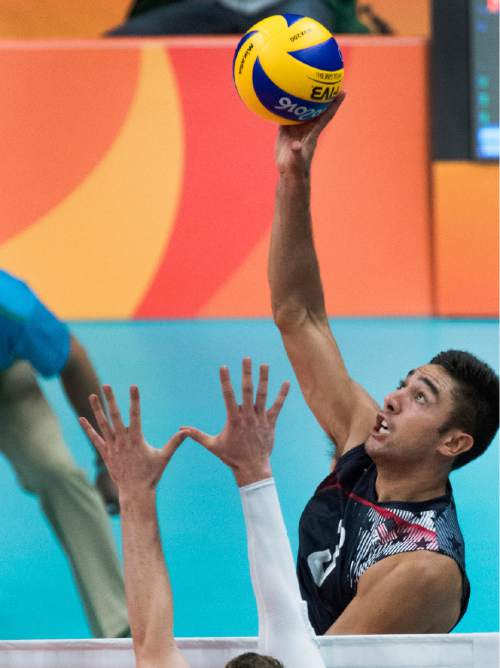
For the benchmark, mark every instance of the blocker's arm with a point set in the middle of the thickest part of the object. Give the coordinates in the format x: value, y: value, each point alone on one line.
x: 245, y: 445
x: 136, y: 468
x: 149, y: 594
x: 284, y: 629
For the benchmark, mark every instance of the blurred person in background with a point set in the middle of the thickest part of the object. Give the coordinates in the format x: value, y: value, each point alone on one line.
x: 210, y: 17
x: 33, y: 340
x: 244, y: 445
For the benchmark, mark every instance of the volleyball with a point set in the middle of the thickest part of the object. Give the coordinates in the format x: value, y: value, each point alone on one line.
x: 288, y: 68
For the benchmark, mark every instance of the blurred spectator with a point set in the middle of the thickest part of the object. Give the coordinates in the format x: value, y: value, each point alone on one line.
x: 375, y: 22
x: 209, y: 17
x: 33, y: 340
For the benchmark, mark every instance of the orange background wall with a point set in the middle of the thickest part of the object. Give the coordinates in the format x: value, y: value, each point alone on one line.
x: 466, y: 238
x: 27, y: 19
x: 406, y: 17
x: 136, y: 184
x: 103, y: 138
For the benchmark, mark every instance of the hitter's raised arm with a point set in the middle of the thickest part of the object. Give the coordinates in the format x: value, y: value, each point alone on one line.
x: 344, y: 409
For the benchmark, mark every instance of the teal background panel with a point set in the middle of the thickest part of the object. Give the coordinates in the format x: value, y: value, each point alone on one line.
x: 175, y: 364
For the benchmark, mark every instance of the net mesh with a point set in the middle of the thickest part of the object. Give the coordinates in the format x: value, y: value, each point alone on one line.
x: 416, y: 651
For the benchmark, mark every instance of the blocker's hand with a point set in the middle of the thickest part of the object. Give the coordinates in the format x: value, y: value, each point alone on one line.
x: 296, y: 144
x: 246, y: 442
x: 131, y: 462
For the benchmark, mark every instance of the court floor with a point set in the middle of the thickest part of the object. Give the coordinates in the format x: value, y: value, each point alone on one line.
x: 175, y: 364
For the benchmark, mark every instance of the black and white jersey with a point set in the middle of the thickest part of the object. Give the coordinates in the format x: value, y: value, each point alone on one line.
x: 344, y: 530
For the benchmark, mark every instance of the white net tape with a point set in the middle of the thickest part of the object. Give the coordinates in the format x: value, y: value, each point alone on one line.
x: 479, y: 650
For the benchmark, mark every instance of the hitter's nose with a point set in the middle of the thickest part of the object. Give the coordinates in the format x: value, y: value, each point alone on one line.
x: 392, y: 403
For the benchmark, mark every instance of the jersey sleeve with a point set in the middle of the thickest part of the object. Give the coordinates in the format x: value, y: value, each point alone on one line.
x: 45, y: 342
x: 284, y: 629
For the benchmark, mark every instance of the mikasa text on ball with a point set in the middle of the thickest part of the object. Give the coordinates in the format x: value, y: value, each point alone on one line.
x: 288, y: 68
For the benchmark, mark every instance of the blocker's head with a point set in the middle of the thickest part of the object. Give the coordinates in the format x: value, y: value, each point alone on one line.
x: 445, y: 411
x: 252, y: 660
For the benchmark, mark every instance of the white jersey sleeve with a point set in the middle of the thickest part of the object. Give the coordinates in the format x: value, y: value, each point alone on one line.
x: 284, y: 629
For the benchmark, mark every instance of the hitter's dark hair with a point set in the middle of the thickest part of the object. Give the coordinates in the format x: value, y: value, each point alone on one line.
x: 252, y: 660
x: 475, y: 400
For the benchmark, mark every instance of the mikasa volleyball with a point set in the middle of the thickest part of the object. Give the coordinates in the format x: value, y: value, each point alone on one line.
x: 288, y: 68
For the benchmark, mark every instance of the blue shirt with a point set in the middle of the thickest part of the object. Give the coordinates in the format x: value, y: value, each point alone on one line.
x: 28, y: 330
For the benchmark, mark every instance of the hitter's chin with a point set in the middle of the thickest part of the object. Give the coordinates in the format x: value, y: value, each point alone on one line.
x: 375, y: 445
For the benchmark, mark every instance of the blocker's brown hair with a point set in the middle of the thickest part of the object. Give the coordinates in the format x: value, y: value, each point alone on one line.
x: 252, y: 660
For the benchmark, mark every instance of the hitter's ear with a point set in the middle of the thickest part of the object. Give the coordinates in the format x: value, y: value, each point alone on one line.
x: 454, y: 443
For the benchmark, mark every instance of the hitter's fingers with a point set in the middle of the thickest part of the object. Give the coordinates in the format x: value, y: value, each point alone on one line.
x: 329, y: 113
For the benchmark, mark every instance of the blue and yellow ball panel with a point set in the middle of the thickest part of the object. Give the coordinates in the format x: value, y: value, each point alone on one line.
x: 323, y: 56
x: 291, y: 18
x: 242, y: 41
x: 287, y: 106
x: 288, y: 68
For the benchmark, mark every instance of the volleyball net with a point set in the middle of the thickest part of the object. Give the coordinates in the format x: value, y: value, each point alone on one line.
x: 479, y: 650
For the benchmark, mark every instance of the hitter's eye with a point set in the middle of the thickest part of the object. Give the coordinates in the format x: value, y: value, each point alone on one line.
x: 401, y: 384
